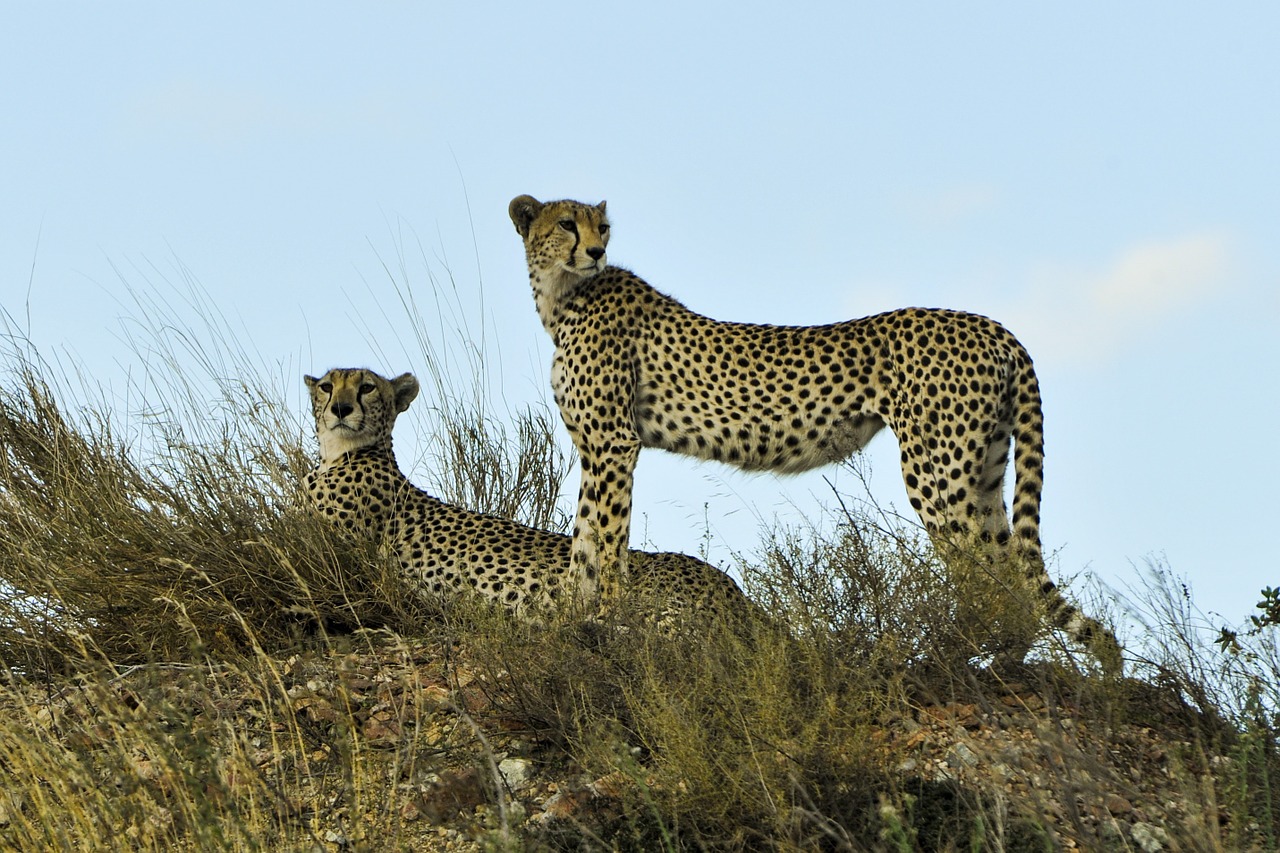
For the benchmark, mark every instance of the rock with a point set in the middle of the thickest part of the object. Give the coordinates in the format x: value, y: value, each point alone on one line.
x: 559, y: 806
x: 956, y: 713
x: 382, y: 728
x: 1117, y: 805
x: 961, y: 755
x: 611, y: 785
x: 515, y: 772
x: 454, y: 793
x: 1150, y: 839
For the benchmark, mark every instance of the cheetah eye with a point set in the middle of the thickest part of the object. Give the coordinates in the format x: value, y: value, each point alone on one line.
x: 326, y: 387
x: 569, y: 225
x: 604, y: 228
x: 366, y: 388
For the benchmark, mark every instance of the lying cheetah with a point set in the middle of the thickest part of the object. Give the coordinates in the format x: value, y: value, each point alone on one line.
x: 446, y: 549
x: 633, y: 367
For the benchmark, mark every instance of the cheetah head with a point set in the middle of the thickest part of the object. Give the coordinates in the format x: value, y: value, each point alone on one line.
x: 356, y: 408
x: 562, y: 239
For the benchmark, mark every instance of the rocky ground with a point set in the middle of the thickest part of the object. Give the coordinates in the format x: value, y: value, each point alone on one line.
x: 404, y: 740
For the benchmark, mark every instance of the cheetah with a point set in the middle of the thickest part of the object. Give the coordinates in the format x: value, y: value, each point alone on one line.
x: 635, y: 368
x: 448, y: 550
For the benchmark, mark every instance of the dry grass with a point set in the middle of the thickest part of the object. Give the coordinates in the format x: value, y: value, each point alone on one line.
x: 193, y: 660
x: 207, y: 548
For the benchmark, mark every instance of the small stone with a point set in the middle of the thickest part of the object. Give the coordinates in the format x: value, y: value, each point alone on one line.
x: 381, y: 728
x: 161, y: 819
x: 559, y: 806
x: 1118, y: 805
x: 1150, y: 839
x: 454, y: 793
x: 960, y: 754
x: 964, y: 715
x: 515, y: 772
x: 1110, y: 830
x: 611, y: 785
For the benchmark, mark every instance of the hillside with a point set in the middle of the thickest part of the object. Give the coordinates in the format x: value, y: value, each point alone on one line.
x: 192, y: 660
x: 375, y: 741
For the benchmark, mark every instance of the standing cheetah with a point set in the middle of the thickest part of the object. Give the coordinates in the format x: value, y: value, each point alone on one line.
x: 633, y: 367
x: 448, y: 550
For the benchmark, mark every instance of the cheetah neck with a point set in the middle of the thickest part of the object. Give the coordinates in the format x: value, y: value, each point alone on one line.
x: 335, y: 451
x: 550, y: 288
x: 361, y: 489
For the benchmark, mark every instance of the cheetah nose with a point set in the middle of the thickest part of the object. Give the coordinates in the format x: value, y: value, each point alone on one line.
x: 341, y: 410
x: 595, y: 253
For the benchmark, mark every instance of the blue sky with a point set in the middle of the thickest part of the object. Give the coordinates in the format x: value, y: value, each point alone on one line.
x: 1100, y: 177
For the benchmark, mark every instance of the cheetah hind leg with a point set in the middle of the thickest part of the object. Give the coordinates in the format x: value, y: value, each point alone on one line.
x: 963, y: 511
x: 1004, y: 590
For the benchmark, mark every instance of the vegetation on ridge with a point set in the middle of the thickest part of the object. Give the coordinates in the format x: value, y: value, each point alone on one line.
x: 191, y: 659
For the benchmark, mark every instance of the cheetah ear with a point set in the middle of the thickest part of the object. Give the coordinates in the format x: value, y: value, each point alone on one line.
x: 310, y: 380
x: 600, y: 206
x: 523, y: 210
x: 406, y: 389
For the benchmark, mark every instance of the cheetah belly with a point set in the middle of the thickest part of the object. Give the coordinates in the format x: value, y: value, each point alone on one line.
x: 714, y: 426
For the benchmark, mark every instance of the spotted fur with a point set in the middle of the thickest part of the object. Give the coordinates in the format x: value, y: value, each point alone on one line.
x: 448, y: 550
x: 634, y: 367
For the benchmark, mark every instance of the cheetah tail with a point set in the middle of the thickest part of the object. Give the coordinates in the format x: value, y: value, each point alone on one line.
x: 1028, y: 460
x: 1028, y: 464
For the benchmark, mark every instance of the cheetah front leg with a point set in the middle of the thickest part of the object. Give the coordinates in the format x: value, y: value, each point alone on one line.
x: 596, y: 407
x: 602, y: 528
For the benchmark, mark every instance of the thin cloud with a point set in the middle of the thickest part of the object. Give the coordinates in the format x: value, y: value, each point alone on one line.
x: 951, y: 205
x: 1089, y: 316
x: 1163, y: 277
x: 228, y: 115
